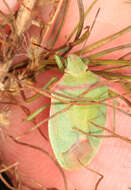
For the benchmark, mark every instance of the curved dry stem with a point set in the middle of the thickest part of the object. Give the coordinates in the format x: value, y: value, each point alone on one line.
x: 5, y: 169
x: 85, y: 15
x: 9, y: 167
x: 81, y: 21
x: 6, y: 183
x: 94, y: 171
x: 99, y: 180
x: 32, y: 181
x: 45, y: 153
x: 79, y: 29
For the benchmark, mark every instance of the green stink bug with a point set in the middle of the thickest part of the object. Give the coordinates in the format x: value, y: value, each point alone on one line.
x: 79, y: 92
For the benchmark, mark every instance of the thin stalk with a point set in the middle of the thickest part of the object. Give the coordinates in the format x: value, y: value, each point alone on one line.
x: 110, y: 50
x: 104, y: 41
x: 85, y: 15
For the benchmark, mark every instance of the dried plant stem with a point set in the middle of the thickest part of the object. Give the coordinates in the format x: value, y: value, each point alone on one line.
x: 49, y: 25
x: 100, y: 175
x: 48, y: 94
x: 9, y: 167
x: 81, y: 20
x: 7, y: 184
x: 24, y: 19
x: 45, y: 153
x: 8, y: 7
x: 110, y: 50
x: 41, y: 187
x: 85, y: 15
x: 43, y: 121
x: 5, y: 169
x: 104, y: 41
x: 67, y: 108
x: 24, y: 15
x: 4, y: 70
x: 58, y: 24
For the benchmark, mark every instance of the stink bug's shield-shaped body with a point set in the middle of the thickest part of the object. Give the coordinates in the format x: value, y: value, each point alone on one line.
x: 72, y: 148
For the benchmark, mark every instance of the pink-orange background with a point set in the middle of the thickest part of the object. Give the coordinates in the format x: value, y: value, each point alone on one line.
x: 114, y: 157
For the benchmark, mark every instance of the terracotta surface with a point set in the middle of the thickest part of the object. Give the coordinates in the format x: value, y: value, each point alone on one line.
x: 114, y: 157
